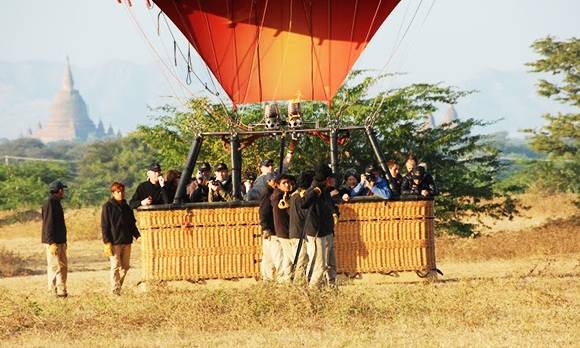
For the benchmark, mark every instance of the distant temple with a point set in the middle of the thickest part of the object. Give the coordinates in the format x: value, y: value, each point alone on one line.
x: 450, y: 116
x: 69, y: 119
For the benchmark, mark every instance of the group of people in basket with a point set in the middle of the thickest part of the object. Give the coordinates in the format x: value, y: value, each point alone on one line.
x: 291, y: 209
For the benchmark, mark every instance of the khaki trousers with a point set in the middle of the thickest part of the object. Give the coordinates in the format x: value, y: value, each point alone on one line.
x: 286, y: 259
x: 271, y: 258
x: 119, y: 266
x: 322, y: 260
x: 56, y: 270
x: 302, y: 264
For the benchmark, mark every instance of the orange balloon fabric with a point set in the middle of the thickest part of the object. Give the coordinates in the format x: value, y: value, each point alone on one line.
x: 261, y: 50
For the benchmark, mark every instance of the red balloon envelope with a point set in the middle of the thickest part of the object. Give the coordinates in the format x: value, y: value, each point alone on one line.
x: 279, y: 49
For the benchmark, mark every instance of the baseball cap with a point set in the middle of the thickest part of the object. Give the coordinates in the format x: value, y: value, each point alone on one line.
x: 418, y: 172
x: 266, y: 163
x: 56, y: 185
x: 221, y: 166
x: 155, y: 167
x: 204, y: 167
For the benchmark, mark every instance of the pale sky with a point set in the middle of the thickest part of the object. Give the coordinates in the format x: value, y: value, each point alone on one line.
x: 459, y: 39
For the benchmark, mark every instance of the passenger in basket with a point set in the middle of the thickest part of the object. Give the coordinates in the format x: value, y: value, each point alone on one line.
x: 118, y: 229
x: 248, y: 184
x: 271, y: 259
x: 350, y: 182
x: 319, y: 228
x: 280, y: 204
x: 421, y: 184
x: 220, y: 189
x: 266, y: 168
x: 297, y: 216
x: 410, y: 164
x: 395, y: 183
x: 372, y: 184
x: 198, y: 190
x: 171, y: 181
x: 151, y: 191
x: 54, y: 237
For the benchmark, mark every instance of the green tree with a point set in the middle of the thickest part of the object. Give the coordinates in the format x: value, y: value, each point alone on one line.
x: 559, y: 138
x: 465, y: 165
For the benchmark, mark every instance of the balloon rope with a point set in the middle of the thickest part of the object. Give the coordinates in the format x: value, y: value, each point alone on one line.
x: 256, y: 55
x: 372, y: 118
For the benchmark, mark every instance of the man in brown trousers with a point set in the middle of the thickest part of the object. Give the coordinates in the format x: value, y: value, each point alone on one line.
x: 118, y: 229
x: 54, y: 236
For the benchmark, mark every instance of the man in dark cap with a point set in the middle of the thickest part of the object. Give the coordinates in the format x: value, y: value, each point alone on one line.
x: 266, y: 167
x: 419, y: 183
x: 319, y: 228
x: 220, y: 188
x: 54, y: 236
x: 152, y: 191
x: 198, y: 190
x: 297, y: 216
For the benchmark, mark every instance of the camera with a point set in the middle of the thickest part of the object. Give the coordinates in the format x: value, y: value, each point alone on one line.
x: 215, y: 182
x: 370, y: 177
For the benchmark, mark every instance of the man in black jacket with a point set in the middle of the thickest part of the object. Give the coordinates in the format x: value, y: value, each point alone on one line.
x: 118, y: 229
x: 54, y: 236
x: 280, y: 204
x: 397, y: 178
x: 319, y: 228
x: 297, y: 217
x: 270, y: 246
x: 152, y: 191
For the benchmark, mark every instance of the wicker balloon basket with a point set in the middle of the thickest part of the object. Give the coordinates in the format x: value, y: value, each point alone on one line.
x: 224, y: 241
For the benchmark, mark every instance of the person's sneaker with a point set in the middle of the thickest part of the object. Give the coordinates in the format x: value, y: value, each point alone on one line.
x: 63, y: 295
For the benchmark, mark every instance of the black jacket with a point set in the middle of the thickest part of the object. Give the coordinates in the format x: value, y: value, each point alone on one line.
x: 297, y: 214
x: 395, y: 185
x: 200, y: 194
x: 53, y: 226
x: 146, y: 189
x: 266, y: 215
x: 319, y: 221
x: 409, y: 188
x: 281, y: 217
x: 118, y: 223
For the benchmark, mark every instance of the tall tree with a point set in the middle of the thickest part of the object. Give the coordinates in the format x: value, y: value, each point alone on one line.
x: 559, y: 138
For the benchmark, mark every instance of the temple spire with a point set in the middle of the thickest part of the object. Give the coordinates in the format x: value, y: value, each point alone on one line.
x: 67, y: 80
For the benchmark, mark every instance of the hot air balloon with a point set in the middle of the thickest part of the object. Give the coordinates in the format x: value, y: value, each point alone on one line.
x: 267, y: 51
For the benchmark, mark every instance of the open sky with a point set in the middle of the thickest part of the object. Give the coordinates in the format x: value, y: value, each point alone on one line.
x: 457, y: 40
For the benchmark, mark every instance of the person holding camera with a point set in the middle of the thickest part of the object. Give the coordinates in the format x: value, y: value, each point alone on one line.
x: 152, y: 191
x: 271, y: 259
x: 198, y: 190
x: 220, y: 188
x: 118, y: 230
x: 371, y: 184
x: 54, y: 237
x: 421, y: 183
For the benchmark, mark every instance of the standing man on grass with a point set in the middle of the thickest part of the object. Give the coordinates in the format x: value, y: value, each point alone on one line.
x: 54, y: 236
x: 118, y: 228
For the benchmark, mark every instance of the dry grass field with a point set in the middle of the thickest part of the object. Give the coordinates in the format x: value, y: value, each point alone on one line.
x: 509, y: 287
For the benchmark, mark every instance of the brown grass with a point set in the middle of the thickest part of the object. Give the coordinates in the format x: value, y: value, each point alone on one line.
x: 12, y: 264
x: 556, y: 237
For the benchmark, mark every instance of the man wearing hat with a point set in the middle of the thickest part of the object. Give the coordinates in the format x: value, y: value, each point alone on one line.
x: 419, y: 183
x: 266, y: 167
x: 198, y: 191
x: 152, y: 191
x: 319, y: 228
x: 220, y: 189
x: 54, y: 236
